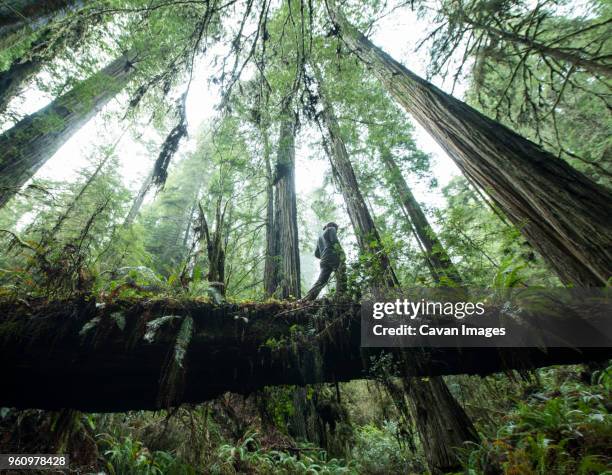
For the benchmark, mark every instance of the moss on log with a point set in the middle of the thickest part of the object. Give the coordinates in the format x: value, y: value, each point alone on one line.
x: 147, y: 354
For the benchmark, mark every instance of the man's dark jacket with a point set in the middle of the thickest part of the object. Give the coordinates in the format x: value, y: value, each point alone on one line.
x: 328, y: 248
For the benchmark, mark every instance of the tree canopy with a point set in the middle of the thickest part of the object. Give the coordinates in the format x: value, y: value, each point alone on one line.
x: 177, y: 154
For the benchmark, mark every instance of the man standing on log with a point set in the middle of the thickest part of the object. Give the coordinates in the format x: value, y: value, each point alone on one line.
x: 332, y: 258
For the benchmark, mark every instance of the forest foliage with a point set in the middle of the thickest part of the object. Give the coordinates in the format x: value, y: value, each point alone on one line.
x: 200, y: 216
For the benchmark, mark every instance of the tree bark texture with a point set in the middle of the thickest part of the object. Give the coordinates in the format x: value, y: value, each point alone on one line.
x: 441, y: 421
x: 435, y: 253
x: 271, y: 258
x: 430, y: 418
x: 14, y: 79
x: 562, y: 213
x: 31, y: 142
x: 285, y: 213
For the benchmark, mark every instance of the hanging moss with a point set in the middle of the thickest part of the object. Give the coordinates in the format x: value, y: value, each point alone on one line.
x: 170, y: 145
x: 173, y: 374
x: 119, y: 319
x: 182, y: 341
x: 90, y: 325
x: 154, y: 325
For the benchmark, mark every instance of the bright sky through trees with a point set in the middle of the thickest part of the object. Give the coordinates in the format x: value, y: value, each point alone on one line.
x: 397, y: 33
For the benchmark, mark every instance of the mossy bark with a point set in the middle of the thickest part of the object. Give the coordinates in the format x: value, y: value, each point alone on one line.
x: 22, y: 17
x: 31, y: 14
x: 107, y: 357
x: 31, y: 142
x: 442, y: 423
x: 14, y: 79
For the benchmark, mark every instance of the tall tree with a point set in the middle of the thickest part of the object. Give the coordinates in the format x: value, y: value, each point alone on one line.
x: 562, y: 213
x: 438, y: 259
x: 19, y: 73
x: 366, y: 233
x: 259, y: 116
x: 48, y: 44
x: 538, y: 67
x: 270, y: 259
x: 107, y: 155
x: 441, y: 421
x: 139, y: 200
x: 31, y: 142
x: 285, y: 204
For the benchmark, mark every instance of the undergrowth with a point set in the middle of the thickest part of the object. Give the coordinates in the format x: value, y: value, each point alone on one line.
x: 560, y: 429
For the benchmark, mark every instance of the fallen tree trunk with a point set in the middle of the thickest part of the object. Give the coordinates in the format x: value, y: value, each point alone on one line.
x: 150, y: 354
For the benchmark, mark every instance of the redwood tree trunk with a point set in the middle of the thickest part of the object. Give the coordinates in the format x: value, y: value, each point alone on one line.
x: 138, y: 200
x: 43, y: 50
x: 16, y: 14
x: 436, y: 412
x: 435, y: 253
x: 366, y: 233
x: 285, y: 214
x: 14, y: 79
x: 271, y: 258
x: 31, y: 142
x: 442, y: 423
x: 562, y: 213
